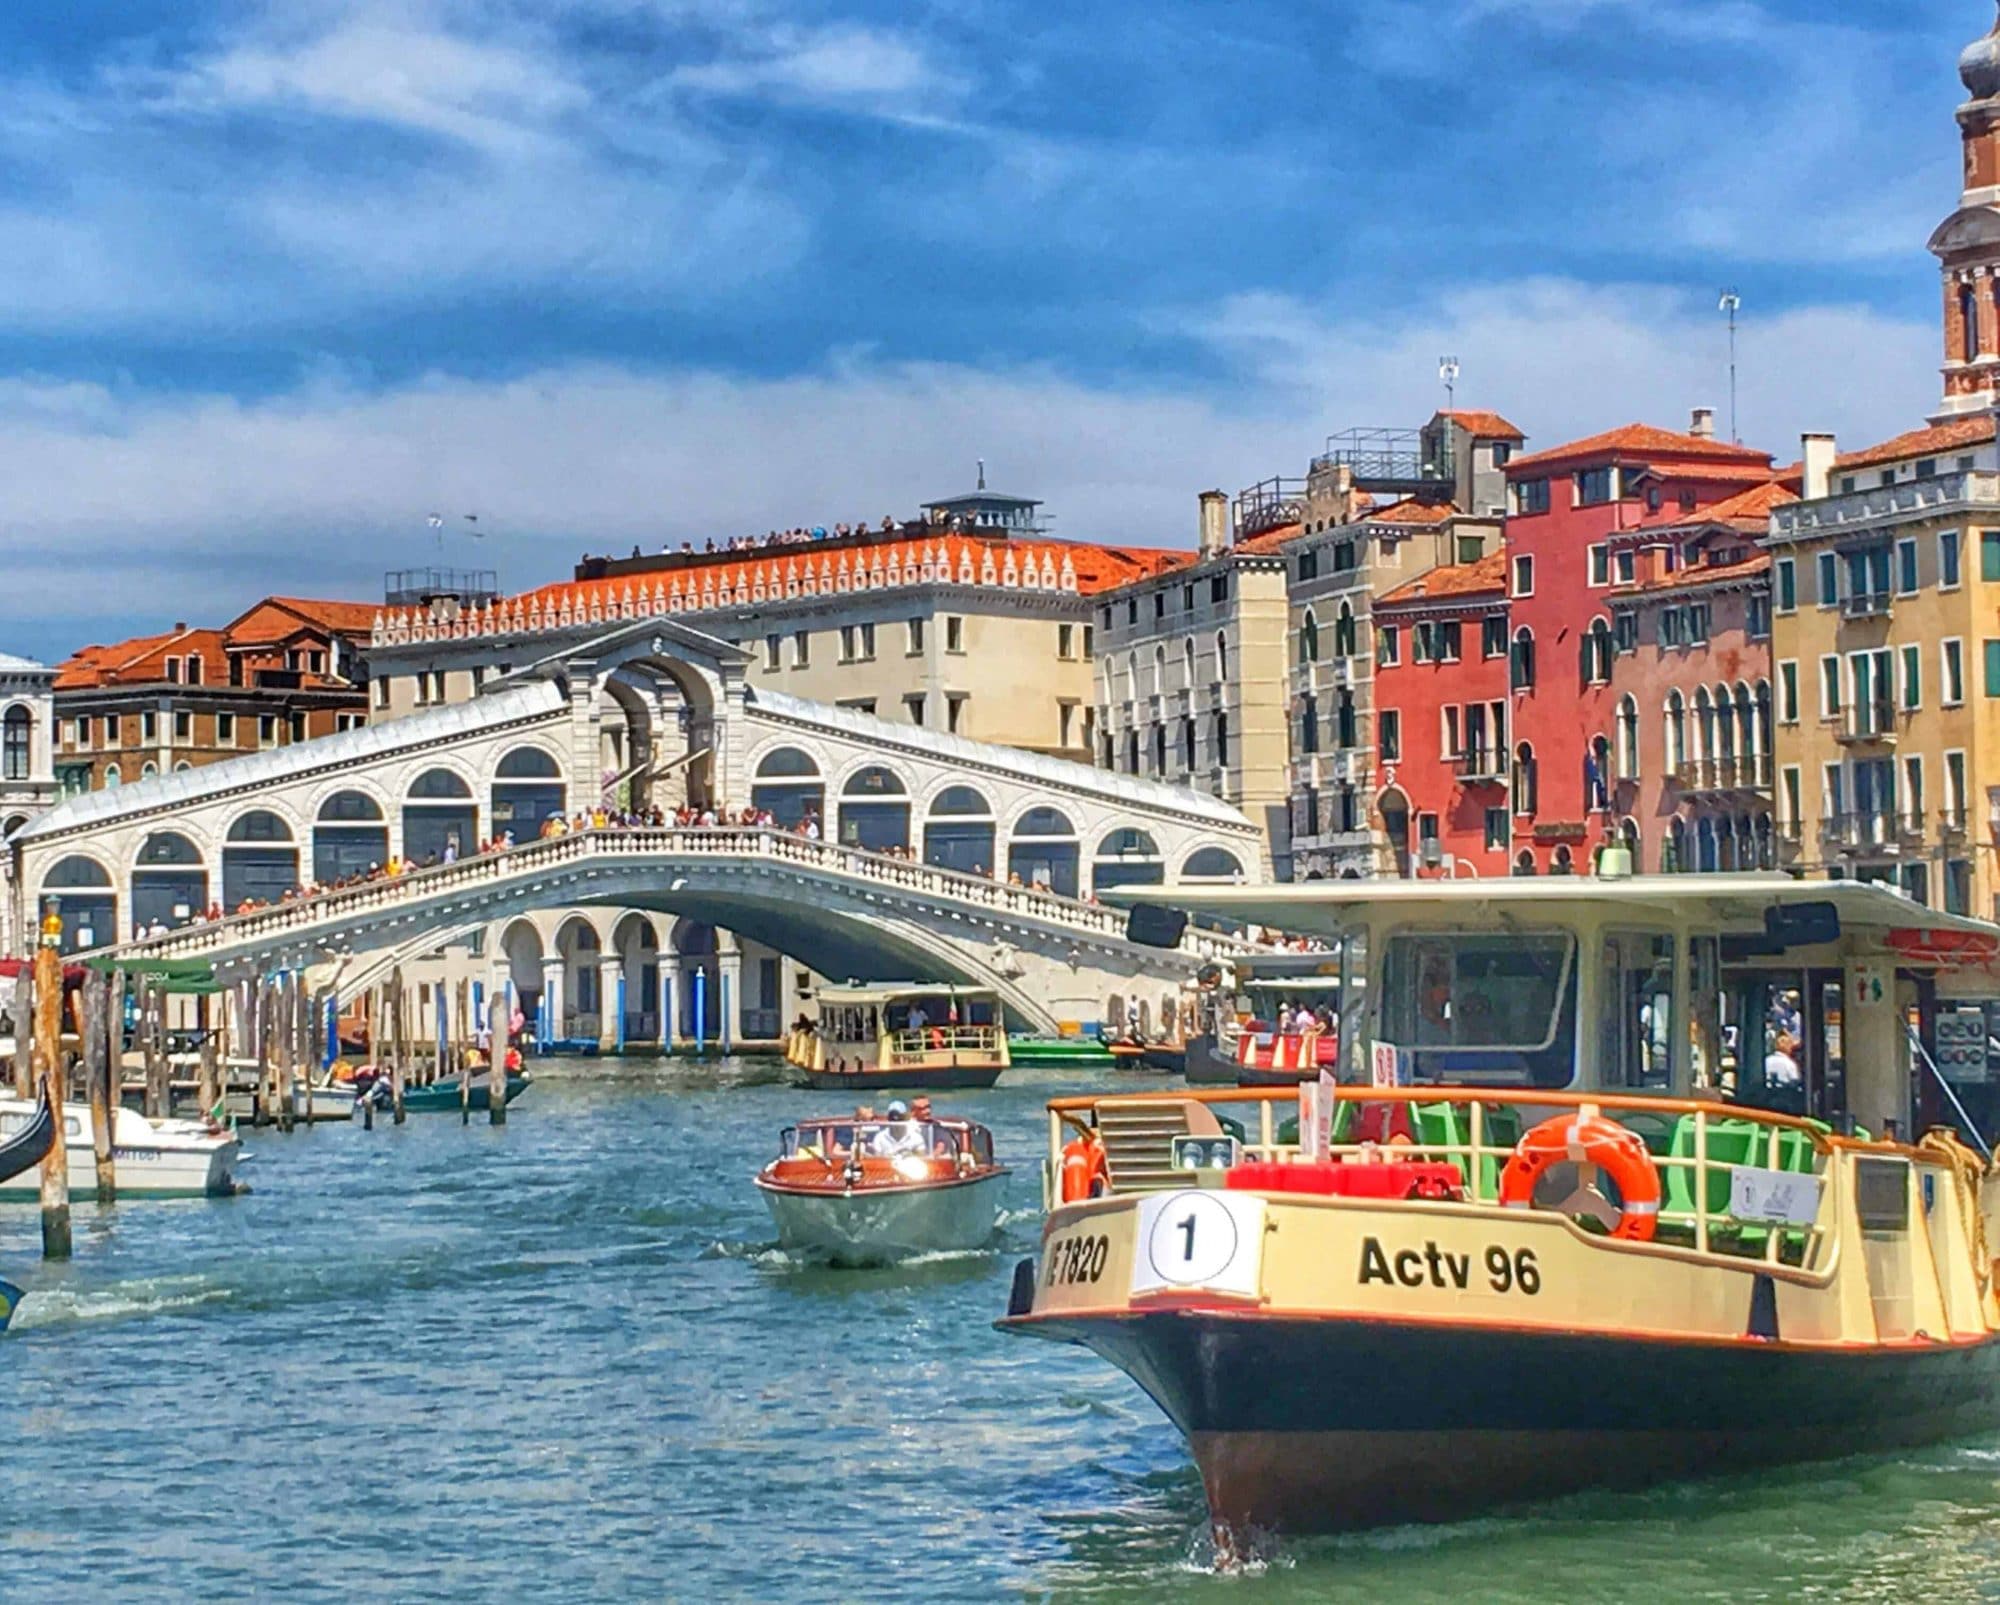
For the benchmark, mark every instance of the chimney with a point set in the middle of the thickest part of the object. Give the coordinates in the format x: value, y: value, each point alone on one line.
x: 1214, y: 522
x: 180, y: 626
x: 1816, y: 453
x: 1703, y: 426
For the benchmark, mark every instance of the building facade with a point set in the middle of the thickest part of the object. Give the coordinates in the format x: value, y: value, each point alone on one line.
x: 27, y: 766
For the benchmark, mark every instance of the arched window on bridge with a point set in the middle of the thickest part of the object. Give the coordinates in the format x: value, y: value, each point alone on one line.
x: 259, y: 859
x: 1211, y: 866
x: 440, y: 819
x: 169, y: 882
x: 959, y: 833
x: 875, y: 810
x: 790, y: 787
x: 349, y: 838
x: 1127, y: 857
x: 527, y: 789
x: 87, y: 901
x: 1043, y: 850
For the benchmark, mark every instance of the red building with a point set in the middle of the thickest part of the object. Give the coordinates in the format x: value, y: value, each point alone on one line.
x: 1441, y: 719
x: 1569, y: 508
x: 1690, y: 749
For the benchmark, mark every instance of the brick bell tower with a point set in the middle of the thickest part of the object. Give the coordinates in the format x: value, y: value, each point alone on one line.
x: 1967, y: 244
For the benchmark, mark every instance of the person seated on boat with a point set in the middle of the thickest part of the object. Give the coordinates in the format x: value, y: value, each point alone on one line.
x: 900, y: 1136
x: 1781, y: 1065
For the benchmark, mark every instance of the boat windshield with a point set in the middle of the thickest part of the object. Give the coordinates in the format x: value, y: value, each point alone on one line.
x: 837, y: 1139
x: 1483, y: 1009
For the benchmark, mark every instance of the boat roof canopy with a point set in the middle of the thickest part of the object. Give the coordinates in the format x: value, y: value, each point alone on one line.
x: 885, y: 992
x: 1724, y: 903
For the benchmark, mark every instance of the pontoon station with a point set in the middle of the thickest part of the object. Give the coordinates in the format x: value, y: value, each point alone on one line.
x: 905, y: 1037
x: 1613, y: 1181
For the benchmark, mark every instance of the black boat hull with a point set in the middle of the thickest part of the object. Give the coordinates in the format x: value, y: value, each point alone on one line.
x: 1306, y: 1425
x: 31, y: 1144
x: 945, y: 1078
x: 1208, y: 1066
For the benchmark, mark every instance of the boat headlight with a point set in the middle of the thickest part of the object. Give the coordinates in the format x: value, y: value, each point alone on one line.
x: 911, y: 1168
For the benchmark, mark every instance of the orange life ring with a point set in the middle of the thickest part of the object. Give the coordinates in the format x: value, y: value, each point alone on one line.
x: 1085, y: 1170
x: 937, y: 1036
x: 1589, y: 1139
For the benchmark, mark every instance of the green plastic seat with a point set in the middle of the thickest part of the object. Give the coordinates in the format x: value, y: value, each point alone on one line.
x: 1447, y: 1128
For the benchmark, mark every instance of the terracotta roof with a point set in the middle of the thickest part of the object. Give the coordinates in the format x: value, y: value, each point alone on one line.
x: 1643, y: 440
x: 352, y: 618
x: 1701, y: 574
x: 1960, y: 432
x: 1489, y: 574
x: 1720, y: 473
x: 142, y: 660
x: 1486, y: 425
x: 775, y: 571
x: 1268, y: 541
x: 1421, y: 514
x: 1748, y: 510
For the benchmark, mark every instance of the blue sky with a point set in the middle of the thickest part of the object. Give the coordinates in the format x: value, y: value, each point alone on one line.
x: 278, y: 280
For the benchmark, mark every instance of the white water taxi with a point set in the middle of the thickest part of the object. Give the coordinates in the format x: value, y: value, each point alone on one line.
x: 906, y: 1037
x: 1612, y: 1182
x: 153, y: 1158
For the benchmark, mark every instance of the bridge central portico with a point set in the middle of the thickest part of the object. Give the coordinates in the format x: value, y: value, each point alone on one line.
x: 894, y: 850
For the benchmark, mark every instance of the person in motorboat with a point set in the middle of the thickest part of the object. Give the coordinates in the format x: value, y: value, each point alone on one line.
x: 900, y: 1136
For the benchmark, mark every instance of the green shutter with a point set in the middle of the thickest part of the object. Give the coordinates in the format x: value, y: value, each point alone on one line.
x: 1993, y: 668
x: 1989, y: 554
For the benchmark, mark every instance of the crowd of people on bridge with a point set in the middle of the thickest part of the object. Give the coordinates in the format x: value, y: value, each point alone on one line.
x: 936, y: 523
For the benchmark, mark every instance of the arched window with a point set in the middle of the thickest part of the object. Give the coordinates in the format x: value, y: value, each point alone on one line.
x: 1761, y: 732
x: 1345, y: 634
x: 1132, y: 751
x: 788, y: 786
x: 1746, y: 735
x: 1222, y: 738
x: 1187, y: 664
x: 1132, y: 692
x: 959, y: 832
x: 1628, y: 838
x: 1524, y: 862
x: 1708, y: 857
x: 527, y: 789
x: 1043, y: 850
x: 1159, y: 749
x: 1159, y: 671
x: 1308, y: 723
x: 1345, y: 726
x: 1188, y: 754
x: 1702, y: 734
x: 169, y: 882
x: 260, y: 861
x: 1674, y: 734
x: 1968, y: 317
x: 1563, y: 862
x: 1628, y: 737
x: 1524, y: 783
x: 16, y: 756
x: 1127, y: 857
x: 1221, y: 657
x: 112, y: 778
x: 1309, y: 638
x: 440, y: 819
x: 350, y: 837
x: 1673, y: 851
x: 1597, y: 776
x: 1767, y: 843
x: 875, y: 810
x: 148, y: 770
x: 82, y: 891
x: 1725, y: 734
x: 1595, y: 653
x: 1211, y: 865
x: 1521, y: 661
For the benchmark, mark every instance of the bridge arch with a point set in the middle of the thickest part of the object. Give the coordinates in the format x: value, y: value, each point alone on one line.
x: 1043, y: 848
x: 578, y: 994
x: 440, y: 815
x: 350, y: 834
x: 260, y: 858
x: 169, y: 881
x: 960, y: 829
x: 635, y: 941
x: 521, y: 951
x: 1209, y: 866
x: 528, y: 786
x: 1126, y: 856
x: 83, y: 887
x: 787, y: 782
x: 874, y: 808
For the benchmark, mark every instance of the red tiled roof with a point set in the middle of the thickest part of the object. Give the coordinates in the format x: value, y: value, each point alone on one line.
x: 1960, y: 432
x: 1412, y: 511
x: 1749, y: 510
x: 1714, y: 473
x: 1644, y: 440
x: 1486, y: 425
x: 1488, y: 575
x: 277, y: 618
x: 1270, y: 540
x: 347, y: 617
x: 142, y: 660
x: 1700, y: 574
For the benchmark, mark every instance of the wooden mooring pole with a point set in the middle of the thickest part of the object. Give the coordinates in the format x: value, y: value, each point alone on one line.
x: 398, y: 1023
x: 100, y: 1053
x: 48, y: 1054
x: 24, y: 1034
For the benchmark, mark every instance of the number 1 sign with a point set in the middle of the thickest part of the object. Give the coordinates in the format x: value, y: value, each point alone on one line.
x: 1207, y: 1241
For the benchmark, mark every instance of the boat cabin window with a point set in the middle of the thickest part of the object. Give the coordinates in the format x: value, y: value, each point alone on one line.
x: 1637, y: 1049
x: 1781, y: 1040
x: 839, y: 1139
x: 1490, y: 1009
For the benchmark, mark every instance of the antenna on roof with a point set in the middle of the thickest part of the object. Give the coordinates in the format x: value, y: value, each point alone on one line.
x: 1448, y: 372
x: 1732, y: 303
x: 982, y: 473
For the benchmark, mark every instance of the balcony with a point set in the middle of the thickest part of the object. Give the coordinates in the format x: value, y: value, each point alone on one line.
x: 1730, y: 773
x: 1910, y: 826
x: 1951, y: 824
x: 1391, y: 461
x: 1867, y: 723
x: 1883, y: 505
x: 1269, y: 504
x: 1860, y: 832
x: 1480, y: 767
x: 1865, y: 605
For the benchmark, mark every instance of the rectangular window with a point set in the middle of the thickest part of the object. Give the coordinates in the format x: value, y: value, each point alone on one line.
x: 1065, y: 641
x: 225, y: 729
x: 437, y: 686
x: 1389, y: 735
x: 1600, y: 565
x: 913, y: 705
x: 183, y: 725
x: 1829, y: 688
x: 1470, y: 548
x: 1992, y: 686
x: 194, y: 667
x: 1829, y: 579
x: 1672, y: 626
x: 1422, y: 639
x: 1906, y: 566
x: 1309, y: 565
x: 1697, y: 623
x: 173, y: 671
x: 915, y: 644
x: 1626, y: 567
x: 1948, y: 560
x: 954, y: 633
x: 847, y: 643
x: 1448, y: 736
x: 1757, y: 617
x: 1159, y: 604
x: 1913, y: 678
x: 149, y: 728
x: 1187, y: 600
x: 1786, y: 583
x: 1089, y: 643
x: 1493, y: 636
x: 1531, y: 496
x: 1788, y: 693
x: 382, y: 692
x: 771, y: 645
x: 1524, y: 575
x: 1593, y: 485
x: 1388, y: 639
x: 1625, y: 631
x: 857, y: 704
x: 1951, y: 691
x: 802, y: 649
x: 1789, y: 806
x: 868, y: 641
x: 1497, y: 830
x: 1448, y: 637
x: 1989, y: 554
x: 267, y: 730
x: 298, y: 727
x: 1218, y: 588
x: 1954, y: 789
x: 954, y: 711
x: 1913, y: 792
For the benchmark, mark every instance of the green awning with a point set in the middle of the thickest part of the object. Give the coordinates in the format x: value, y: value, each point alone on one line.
x: 184, y: 977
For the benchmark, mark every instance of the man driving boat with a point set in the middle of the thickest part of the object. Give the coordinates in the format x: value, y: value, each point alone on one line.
x: 901, y: 1136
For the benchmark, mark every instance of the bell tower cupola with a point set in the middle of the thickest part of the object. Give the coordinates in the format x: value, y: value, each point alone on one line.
x: 1967, y: 244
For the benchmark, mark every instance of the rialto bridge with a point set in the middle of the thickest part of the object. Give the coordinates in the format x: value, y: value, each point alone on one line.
x: 922, y: 855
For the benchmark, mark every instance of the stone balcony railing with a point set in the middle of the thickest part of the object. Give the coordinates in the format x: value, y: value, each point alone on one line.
x: 284, y: 924
x: 1884, y: 504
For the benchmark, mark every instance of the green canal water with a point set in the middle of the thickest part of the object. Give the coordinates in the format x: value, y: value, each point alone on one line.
x: 565, y: 1361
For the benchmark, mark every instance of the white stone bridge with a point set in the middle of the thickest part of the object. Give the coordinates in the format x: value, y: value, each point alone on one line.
x: 651, y: 713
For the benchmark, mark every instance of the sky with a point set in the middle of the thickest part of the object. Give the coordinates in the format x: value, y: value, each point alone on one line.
x: 278, y: 281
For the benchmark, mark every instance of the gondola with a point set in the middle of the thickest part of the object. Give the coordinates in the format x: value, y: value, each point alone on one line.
x: 24, y: 1149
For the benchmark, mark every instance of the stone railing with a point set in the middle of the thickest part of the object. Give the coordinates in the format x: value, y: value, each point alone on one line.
x: 284, y: 923
x: 1884, y: 504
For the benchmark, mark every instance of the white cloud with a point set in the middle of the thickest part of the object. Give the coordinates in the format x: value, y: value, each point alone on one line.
x: 189, y: 506
x: 858, y: 68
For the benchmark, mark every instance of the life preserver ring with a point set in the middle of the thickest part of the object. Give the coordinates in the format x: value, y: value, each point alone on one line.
x: 1086, y: 1172
x: 937, y: 1036
x: 1589, y: 1139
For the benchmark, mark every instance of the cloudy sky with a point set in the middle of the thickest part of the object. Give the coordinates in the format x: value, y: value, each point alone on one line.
x: 279, y: 280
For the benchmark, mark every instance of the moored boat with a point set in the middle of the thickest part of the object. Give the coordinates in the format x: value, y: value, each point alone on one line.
x: 861, y: 1190
x: 1611, y: 1190
x: 901, y: 1037
x: 1065, y: 1052
x: 154, y: 1158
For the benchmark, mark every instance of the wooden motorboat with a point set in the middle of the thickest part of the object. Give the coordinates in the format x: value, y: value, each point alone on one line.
x: 154, y: 1158
x: 1066, y: 1052
x: 903, y: 1037
x: 1611, y: 1189
x: 866, y: 1190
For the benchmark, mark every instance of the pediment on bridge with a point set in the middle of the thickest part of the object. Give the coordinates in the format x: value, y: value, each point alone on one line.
x: 660, y: 639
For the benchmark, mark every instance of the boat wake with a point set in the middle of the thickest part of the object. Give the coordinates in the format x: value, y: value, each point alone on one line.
x: 65, y: 1306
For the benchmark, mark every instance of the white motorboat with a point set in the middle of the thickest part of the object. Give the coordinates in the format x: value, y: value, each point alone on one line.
x: 154, y: 1158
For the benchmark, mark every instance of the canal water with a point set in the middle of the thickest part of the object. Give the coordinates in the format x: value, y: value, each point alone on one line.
x: 566, y: 1361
